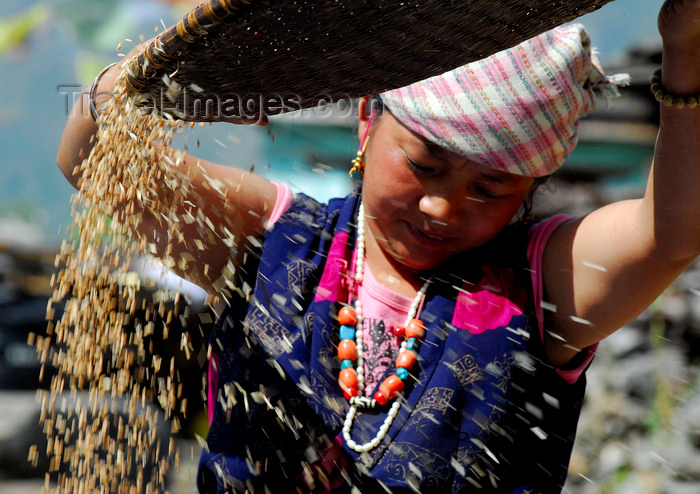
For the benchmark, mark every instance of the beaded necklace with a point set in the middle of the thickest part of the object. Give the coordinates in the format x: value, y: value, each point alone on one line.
x: 350, y: 348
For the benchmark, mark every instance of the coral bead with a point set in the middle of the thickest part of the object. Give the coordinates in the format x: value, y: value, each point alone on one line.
x: 406, y: 359
x: 380, y: 398
x: 348, y: 382
x: 388, y: 389
x: 415, y: 329
x: 348, y: 378
x: 399, y: 331
x: 347, y: 350
x: 347, y: 316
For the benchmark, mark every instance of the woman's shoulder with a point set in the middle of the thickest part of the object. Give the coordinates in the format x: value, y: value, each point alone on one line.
x: 514, y: 245
x: 306, y: 212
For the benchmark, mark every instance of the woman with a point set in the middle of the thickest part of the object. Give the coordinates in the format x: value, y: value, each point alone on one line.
x: 396, y: 339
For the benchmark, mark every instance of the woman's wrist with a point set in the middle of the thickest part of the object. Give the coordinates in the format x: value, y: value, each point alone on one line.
x: 667, y: 98
x: 677, y: 82
x: 681, y: 69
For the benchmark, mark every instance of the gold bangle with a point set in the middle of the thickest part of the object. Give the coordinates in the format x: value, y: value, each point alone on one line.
x: 662, y: 95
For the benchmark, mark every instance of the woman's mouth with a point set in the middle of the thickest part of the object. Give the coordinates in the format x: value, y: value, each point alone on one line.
x: 427, y: 238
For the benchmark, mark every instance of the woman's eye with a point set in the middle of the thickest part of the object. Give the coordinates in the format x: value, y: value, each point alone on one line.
x: 425, y: 170
x: 485, y: 193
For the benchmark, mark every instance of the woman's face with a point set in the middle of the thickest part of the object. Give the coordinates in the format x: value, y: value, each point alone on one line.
x: 425, y: 204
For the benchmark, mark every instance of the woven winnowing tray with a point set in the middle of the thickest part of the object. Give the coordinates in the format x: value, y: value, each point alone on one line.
x: 229, y: 59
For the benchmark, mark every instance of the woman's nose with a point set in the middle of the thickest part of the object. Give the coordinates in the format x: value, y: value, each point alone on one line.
x: 438, y: 208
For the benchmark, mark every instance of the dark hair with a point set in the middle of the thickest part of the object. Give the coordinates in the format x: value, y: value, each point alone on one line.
x: 376, y: 105
x: 526, y: 209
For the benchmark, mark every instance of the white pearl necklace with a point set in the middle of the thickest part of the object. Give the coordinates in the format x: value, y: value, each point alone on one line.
x: 363, y: 401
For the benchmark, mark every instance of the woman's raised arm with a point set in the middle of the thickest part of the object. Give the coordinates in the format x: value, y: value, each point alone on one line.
x: 236, y: 211
x: 603, y: 270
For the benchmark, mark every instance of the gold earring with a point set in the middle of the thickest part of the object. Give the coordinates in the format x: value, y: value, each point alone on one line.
x: 357, y: 170
x: 358, y: 164
x: 526, y: 217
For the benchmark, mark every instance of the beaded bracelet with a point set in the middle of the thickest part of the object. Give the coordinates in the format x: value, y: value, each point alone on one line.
x: 93, y: 87
x: 662, y: 96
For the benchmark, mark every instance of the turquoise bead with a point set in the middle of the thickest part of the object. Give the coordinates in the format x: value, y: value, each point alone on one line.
x: 410, y: 344
x: 345, y: 364
x: 347, y: 333
x: 402, y: 373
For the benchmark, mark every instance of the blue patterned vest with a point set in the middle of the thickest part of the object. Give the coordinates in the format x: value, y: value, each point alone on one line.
x: 485, y: 412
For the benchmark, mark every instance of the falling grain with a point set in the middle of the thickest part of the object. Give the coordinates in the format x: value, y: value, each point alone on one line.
x: 101, y: 346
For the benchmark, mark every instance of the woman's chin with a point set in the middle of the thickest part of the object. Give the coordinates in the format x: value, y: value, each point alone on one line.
x: 419, y: 262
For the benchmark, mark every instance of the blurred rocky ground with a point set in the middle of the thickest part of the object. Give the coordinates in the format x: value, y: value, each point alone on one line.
x: 639, y: 431
x: 27, y: 263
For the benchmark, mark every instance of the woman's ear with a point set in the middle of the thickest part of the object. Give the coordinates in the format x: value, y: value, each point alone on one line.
x: 363, y: 112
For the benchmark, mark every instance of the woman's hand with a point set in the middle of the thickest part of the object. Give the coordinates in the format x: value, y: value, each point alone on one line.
x: 77, y: 138
x: 679, y: 26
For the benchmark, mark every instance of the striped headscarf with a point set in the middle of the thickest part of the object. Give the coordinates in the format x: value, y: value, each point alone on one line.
x: 517, y: 110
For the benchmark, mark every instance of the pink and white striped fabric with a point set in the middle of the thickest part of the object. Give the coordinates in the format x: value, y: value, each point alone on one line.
x: 516, y: 111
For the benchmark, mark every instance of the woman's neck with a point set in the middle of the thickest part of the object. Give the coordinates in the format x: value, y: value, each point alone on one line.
x: 389, y: 272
